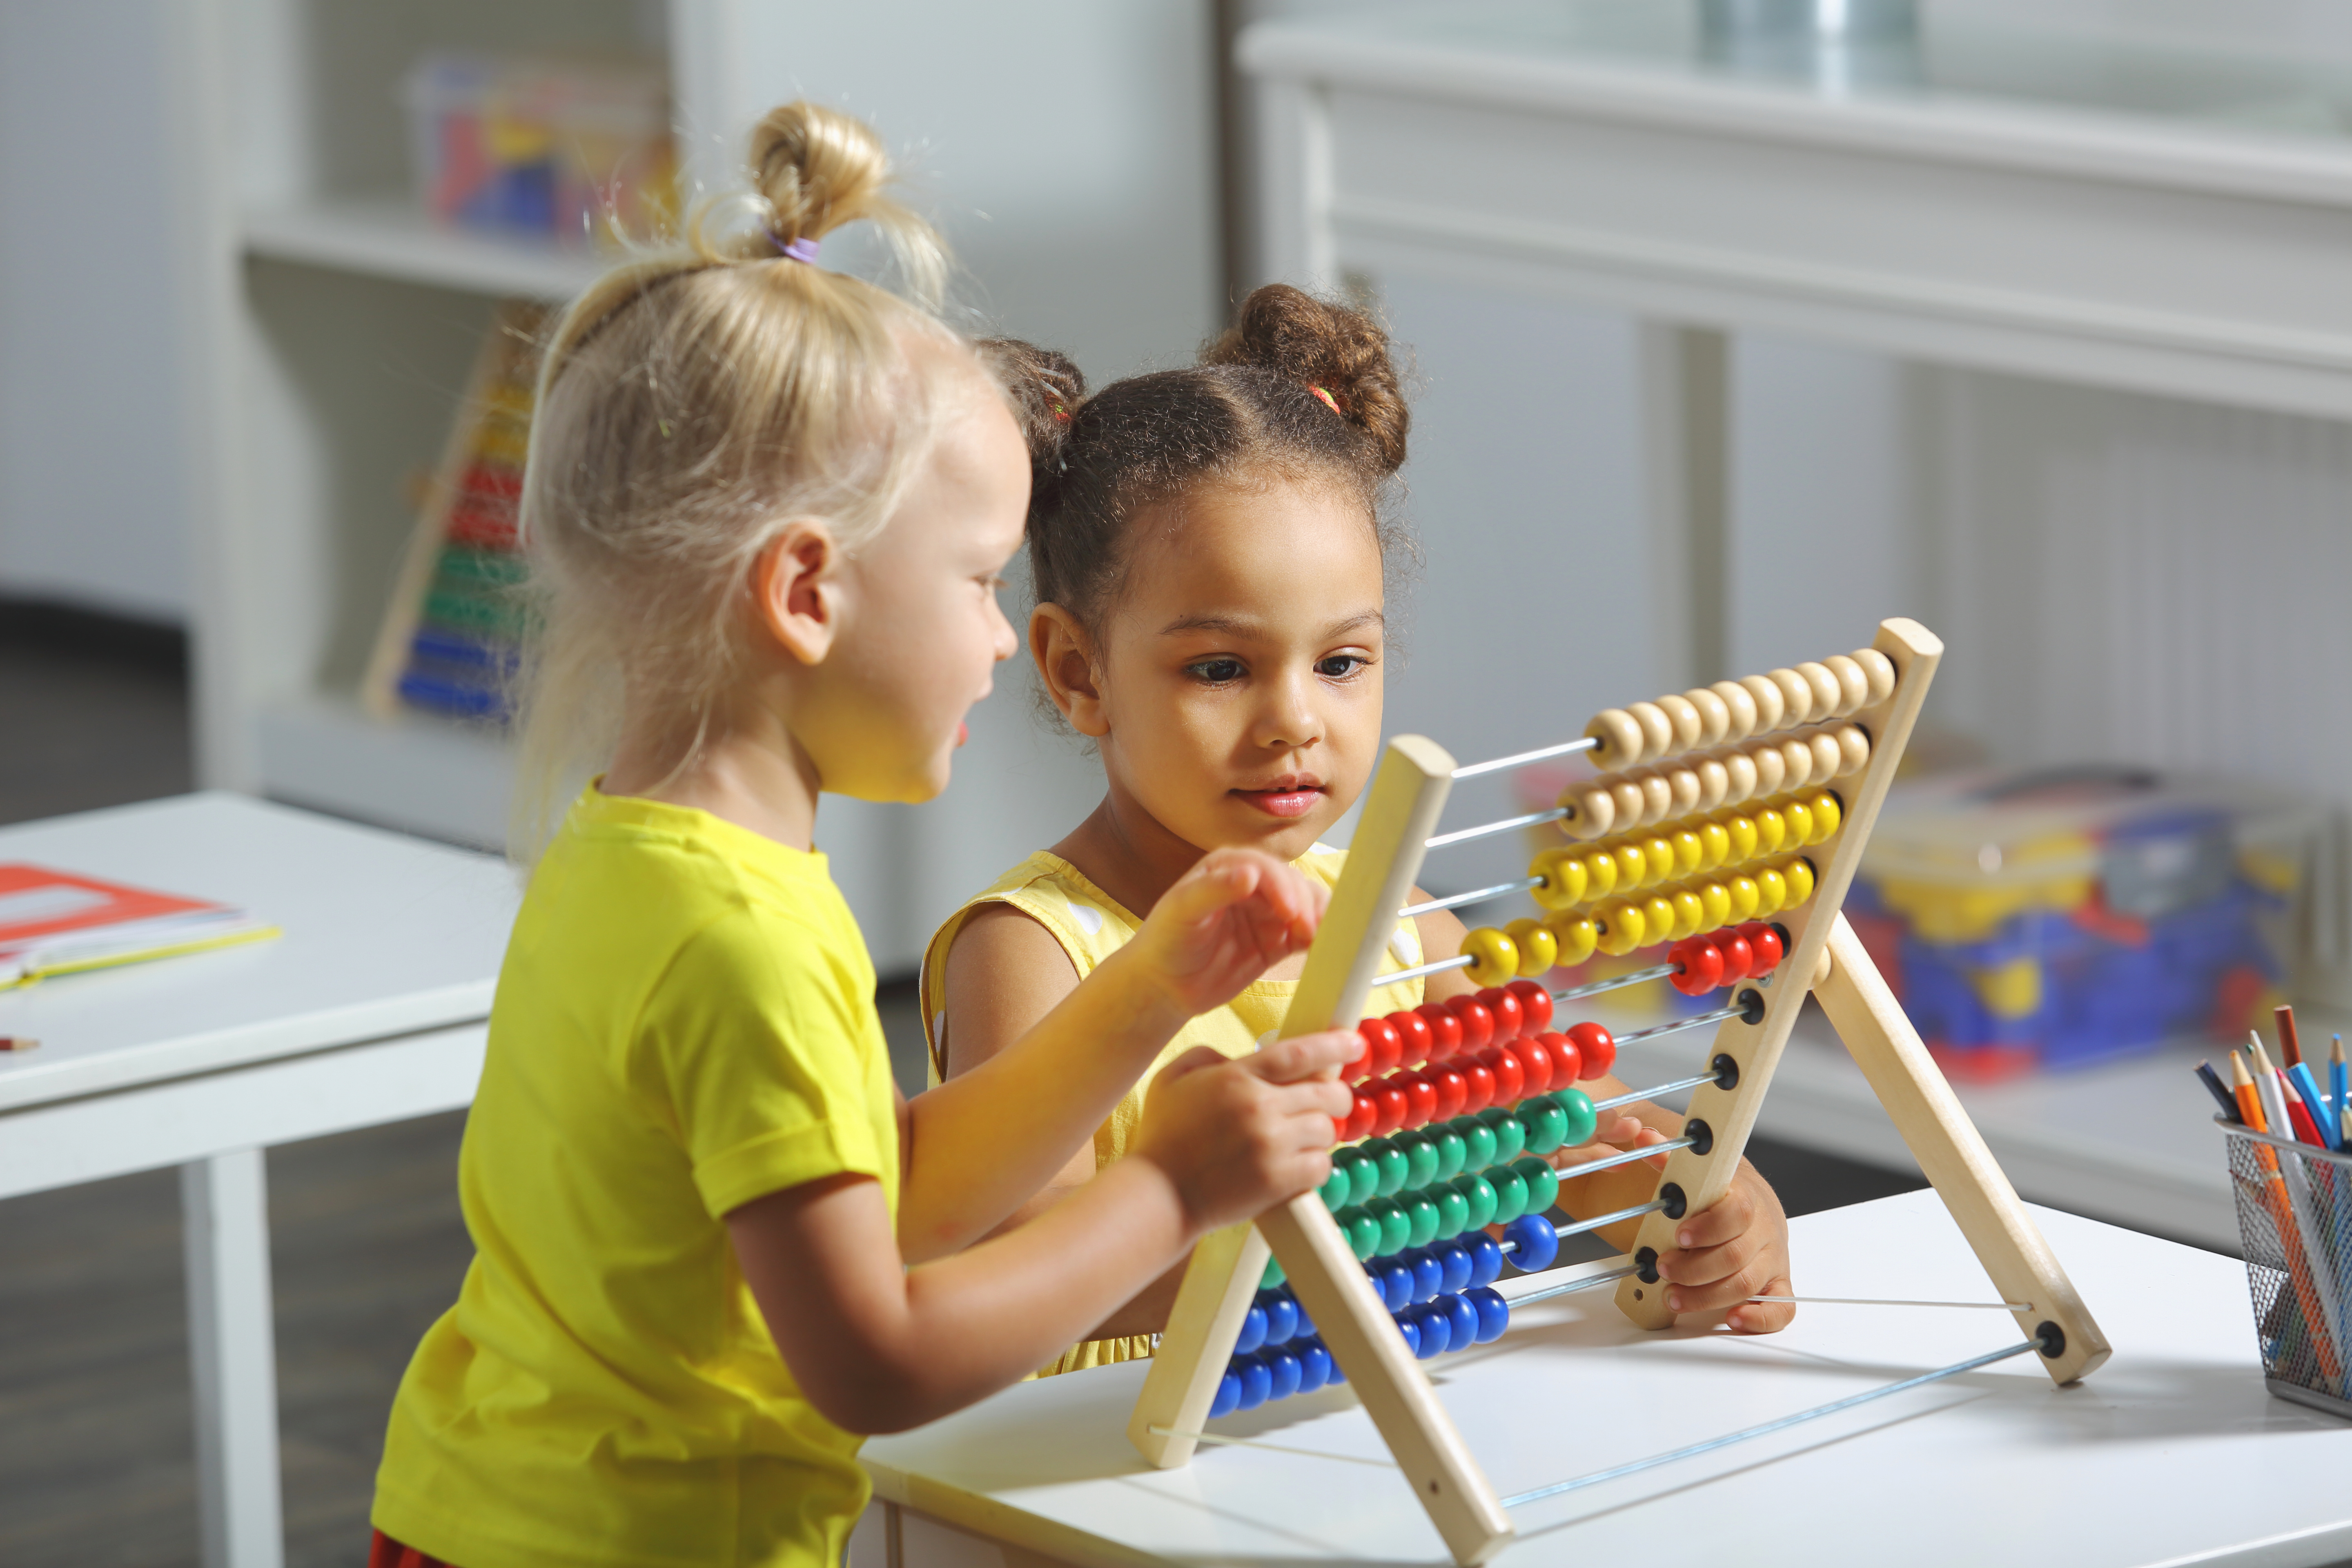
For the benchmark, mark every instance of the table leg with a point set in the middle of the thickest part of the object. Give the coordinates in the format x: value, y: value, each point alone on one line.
x: 232, y: 1349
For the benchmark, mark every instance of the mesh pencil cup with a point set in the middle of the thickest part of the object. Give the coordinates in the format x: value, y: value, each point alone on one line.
x: 2294, y: 1224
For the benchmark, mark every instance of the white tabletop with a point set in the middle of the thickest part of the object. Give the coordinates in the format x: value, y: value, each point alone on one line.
x: 383, y: 935
x: 2150, y: 1460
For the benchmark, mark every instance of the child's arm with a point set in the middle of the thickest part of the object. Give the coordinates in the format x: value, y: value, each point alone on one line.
x: 985, y: 1142
x: 878, y: 1347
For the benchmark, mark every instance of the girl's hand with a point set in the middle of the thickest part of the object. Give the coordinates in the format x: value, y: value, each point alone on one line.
x: 1621, y: 1132
x: 1236, y: 1138
x: 1236, y: 913
x: 1737, y: 1250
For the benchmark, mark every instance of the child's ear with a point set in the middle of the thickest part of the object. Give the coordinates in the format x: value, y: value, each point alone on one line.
x: 1065, y: 657
x: 797, y: 589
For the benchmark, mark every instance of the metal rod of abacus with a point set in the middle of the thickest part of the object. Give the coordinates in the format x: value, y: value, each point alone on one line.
x: 1536, y: 1494
x: 1618, y: 982
x: 1479, y: 896
x: 1463, y: 835
x: 1520, y: 759
x: 1636, y: 1212
x: 1590, y: 1283
x: 1570, y: 1173
x: 1696, y: 1021
x: 1635, y: 1096
x: 1435, y: 966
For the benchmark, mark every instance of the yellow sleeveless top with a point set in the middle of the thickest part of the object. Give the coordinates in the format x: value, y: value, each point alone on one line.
x: 1090, y: 925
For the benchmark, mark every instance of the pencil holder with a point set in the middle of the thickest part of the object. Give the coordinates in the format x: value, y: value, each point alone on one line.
x: 2294, y: 1224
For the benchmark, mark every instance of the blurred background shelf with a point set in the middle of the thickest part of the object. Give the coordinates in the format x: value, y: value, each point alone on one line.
x: 427, y: 775
x: 390, y: 239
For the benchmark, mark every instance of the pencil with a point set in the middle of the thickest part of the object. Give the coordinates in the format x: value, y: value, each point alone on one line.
x: 2213, y: 1082
x: 18, y: 1043
x: 2339, y: 1080
x: 2290, y: 1043
x: 2267, y: 1085
x: 2250, y: 1102
x: 2310, y: 1102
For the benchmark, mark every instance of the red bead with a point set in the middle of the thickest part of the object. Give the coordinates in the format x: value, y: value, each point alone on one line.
x: 1453, y: 1093
x: 1392, y: 1099
x: 1739, y: 958
x: 1596, y: 1049
x: 1413, y: 1030
x: 1365, y: 1117
x: 1510, y: 1077
x: 1765, y: 941
x: 1701, y: 966
x: 1479, y: 1083
x: 1359, y: 1066
x: 1508, y: 1020
x: 1478, y: 1023
x: 1566, y: 1061
x: 1445, y: 1030
x: 1535, y: 1006
x: 1387, y: 1049
x: 1536, y: 1065
x: 1422, y: 1100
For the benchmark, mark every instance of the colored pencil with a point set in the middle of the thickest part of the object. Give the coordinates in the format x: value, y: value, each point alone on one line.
x: 18, y: 1043
x: 2268, y: 1085
x: 2250, y: 1100
x: 2213, y: 1082
x: 2339, y: 1080
x: 2290, y: 1043
x: 2312, y: 1103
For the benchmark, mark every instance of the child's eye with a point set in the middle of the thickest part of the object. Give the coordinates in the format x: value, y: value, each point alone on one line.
x: 1216, y: 671
x: 1340, y: 666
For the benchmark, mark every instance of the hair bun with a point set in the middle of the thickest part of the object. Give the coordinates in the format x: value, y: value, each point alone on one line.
x: 819, y: 169
x: 1046, y: 390
x: 1321, y: 344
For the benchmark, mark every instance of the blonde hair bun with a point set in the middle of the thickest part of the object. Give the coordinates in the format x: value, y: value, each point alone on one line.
x: 819, y: 169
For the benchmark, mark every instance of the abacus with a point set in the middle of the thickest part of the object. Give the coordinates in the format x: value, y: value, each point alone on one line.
x: 1726, y: 821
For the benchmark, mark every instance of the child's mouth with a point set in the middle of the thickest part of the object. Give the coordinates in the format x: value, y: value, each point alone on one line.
x: 1285, y: 801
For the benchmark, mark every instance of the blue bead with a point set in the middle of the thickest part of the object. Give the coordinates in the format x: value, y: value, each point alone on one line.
x: 1256, y: 1382
x: 1412, y: 1332
x: 1455, y: 1259
x: 1538, y: 1242
x: 1229, y: 1395
x: 1428, y: 1275
x: 1493, y: 1312
x: 1337, y: 1374
x: 1306, y: 1324
x: 1462, y: 1322
x: 1281, y: 1316
x: 1283, y: 1368
x: 1436, y: 1333
x: 1314, y: 1364
x: 1485, y: 1259
x: 1253, y: 1331
x: 1396, y: 1285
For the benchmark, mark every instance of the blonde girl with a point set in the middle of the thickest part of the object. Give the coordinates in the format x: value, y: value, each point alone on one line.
x: 1209, y: 547
x: 768, y: 504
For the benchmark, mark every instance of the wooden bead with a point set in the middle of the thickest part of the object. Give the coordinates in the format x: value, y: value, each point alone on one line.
x: 1539, y: 949
x: 1633, y: 867
x: 1853, y: 683
x: 1745, y: 897
x: 1739, y: 703
x: 1799, y: 875
x: 1714, y: 899
x: 1621, y: 927
x: 1796, y: 696
x: 1562, y: 871
x: 1689, y: 853
x: 1599, y: 873
x: 1853, y: 750
x: 1657, y: 798
x: 1881, y: 672
x: 1772, y: 768
x: 1714, y: 845
x: 1660, y: 852
x: 1739, y: 768
x: 1494, y: 957
x: 1685, y: 789
x: 1828, y: 690
x: 1658, y: 919
x: 1771, y: 829
x: 1577, y: 936
x: 1714, y: 783
x: 1620, y: 737
x: 1685, y: 718
x: 1714, y: 716
x: 1591, y: 811
x: 1797, y: 763
x: 1769, y: 702
x: 1828, y: 812
x: 1828, y: 756
x: 1690, y: 910
x: 1630, y: 802
x: 1657, y: 730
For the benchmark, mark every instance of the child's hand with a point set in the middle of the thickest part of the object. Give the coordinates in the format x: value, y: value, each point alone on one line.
x: 1737, y: 1250
x: 1233, y: 914
x: 1238, y: 1137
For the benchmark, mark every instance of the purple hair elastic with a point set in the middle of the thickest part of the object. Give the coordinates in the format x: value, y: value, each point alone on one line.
x: 803, y: 249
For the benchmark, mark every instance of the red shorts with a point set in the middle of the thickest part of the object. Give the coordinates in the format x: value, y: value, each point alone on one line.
x: 383, y: 1552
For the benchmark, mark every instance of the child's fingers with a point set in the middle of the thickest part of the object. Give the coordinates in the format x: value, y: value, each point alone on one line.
x: 1713, y: 1279
x: 1765, y: 1316
x: 1192, y: 1061
x: 1306, y: 1056
x: 1733, y: 1216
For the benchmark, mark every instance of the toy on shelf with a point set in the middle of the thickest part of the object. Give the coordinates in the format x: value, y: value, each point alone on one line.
x: 2068, y: 916
x: 1720, y: 839
x: 454, y: 625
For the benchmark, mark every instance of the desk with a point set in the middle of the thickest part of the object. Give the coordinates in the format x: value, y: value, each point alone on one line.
x: 372, y: 1007
x: 2130, y: 1467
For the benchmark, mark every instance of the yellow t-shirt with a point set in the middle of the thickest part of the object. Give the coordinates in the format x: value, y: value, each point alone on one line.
x: 1091, y: 926
x: 684, y: 1022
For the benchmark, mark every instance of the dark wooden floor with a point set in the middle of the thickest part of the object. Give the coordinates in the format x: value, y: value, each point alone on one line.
x: 96, y: 1463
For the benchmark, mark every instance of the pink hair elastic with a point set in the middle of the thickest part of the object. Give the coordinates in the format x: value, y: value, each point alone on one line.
x: 1329, y: 401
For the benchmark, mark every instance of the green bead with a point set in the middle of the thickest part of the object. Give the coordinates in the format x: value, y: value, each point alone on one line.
x: 1546, y: 1123
x: 1420, y: 1160
x: 1363, y: 1228
x: 1510, y: 1134
x: 1336, y: 1188
x: 1396, y: 1227
x: 1478, y: 1143
x: 1453, y: 1209
x: 1392, y: 1163
x: 1479, y: 1193
x: 1450, y: 1152
x: 1365, y: 1172
x: 1272, y: 1275
x: 1543, y: 1182
x: 1510, y: 1194
x: 1584, y: 1122
x: 1349, y: 1163
x: 1421, y: 1213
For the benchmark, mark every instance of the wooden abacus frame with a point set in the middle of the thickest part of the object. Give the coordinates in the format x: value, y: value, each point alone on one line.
x: 1824, y: 958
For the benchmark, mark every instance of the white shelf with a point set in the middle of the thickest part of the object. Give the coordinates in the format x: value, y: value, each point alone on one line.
x: 393, y: 239
x: 416, y: 772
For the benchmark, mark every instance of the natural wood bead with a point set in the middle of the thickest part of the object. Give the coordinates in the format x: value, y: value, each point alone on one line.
x: 1853, y: 683
x: 1854, y: 750
x: 1740, y: 703
x: 1739, y: 768
x: 1828, y: 690
x: 1591, y: 811
x: 1714, y: 783
x: 1771, y: 703
x: 1657, y: 798
x: 1798, y: 759
x: 1881, y: 672
x: 1689, y: 725
x: 1714, y: 717
x: 1620, y: 737
x: 1771, y: 769
x: 1657, y: 730
x: 1687, y: 791
x: 1630, y: 803
x: 1828, y: 756
x: 1796, y: 696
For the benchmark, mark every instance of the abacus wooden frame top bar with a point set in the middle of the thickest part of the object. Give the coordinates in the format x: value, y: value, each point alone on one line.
x: 1824, y: 958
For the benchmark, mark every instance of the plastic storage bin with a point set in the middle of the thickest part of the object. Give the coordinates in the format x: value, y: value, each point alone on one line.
x: 575, y: 152
x: 2294, y: 1224
x: 2070, y: 916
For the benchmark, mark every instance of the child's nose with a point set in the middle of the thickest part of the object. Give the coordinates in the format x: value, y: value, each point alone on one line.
x: 1291, y: 717
x: 1006, y: 642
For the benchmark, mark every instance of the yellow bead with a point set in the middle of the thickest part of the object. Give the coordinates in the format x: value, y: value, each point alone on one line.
x: 1621, y: 927
x: 1689, y: 853
x: 1745, y: 897
x: 1800, y: 819
x: 1714, y: 845
x: 1690, y: 914
x: 1716, y: 899
x: 1562, y: 871
x: 1799, y: 874
x: 1657, y: 918
x: 1539, y: 949
x: 1771, y: 830
x: 1660, y: 852
x: 1633, y: 867
x: 1740, y: 827
x: 1494, y: 957
x: 1771, y: 894
x: 1827, y: 815
x: 1599, y: 873
x: 1576, y: 935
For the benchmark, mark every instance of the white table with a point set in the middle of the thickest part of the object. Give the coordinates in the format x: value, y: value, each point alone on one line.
x: 372, y: 1007
x: 2133, y: 1467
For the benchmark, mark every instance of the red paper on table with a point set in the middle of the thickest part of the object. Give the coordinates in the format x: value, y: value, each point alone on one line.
x: 56, y: 923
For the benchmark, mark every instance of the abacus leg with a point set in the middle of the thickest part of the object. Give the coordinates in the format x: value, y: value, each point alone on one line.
x: 1952, y: 1153
x: 1201, y: 1327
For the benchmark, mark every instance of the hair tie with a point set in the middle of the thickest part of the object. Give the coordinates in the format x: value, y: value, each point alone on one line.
x: 1061, y: 414
x: 1329, y: 401
x: 801, y: 249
